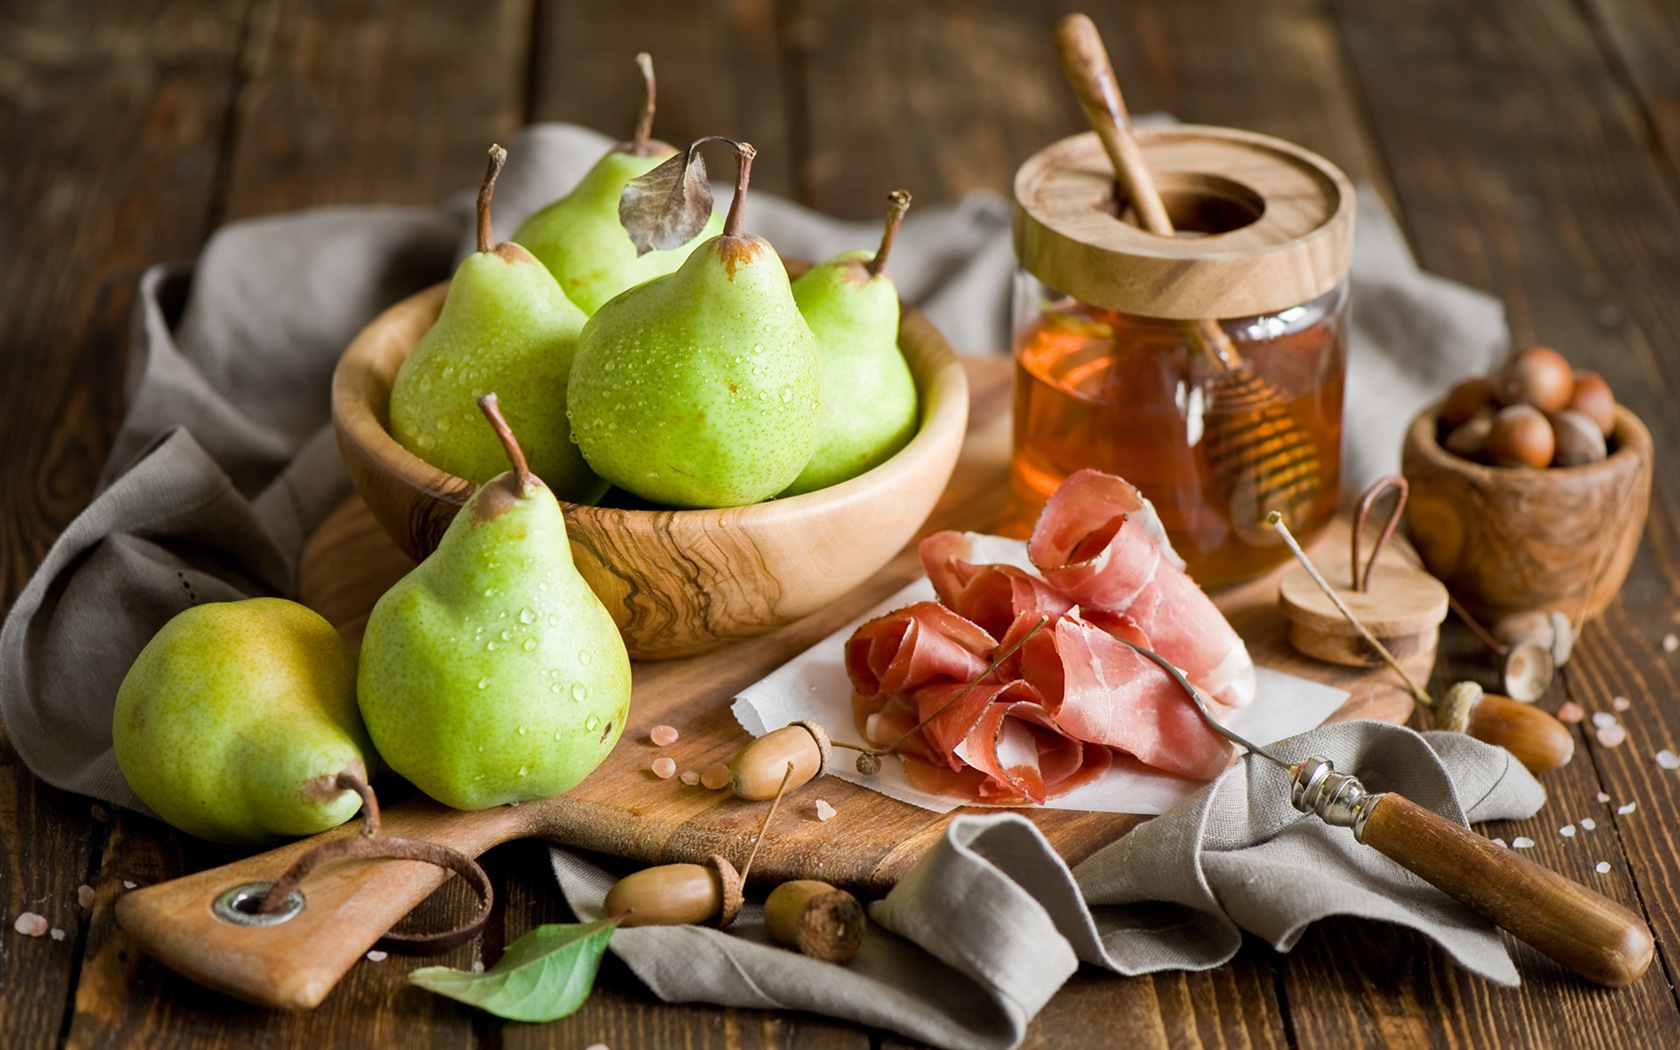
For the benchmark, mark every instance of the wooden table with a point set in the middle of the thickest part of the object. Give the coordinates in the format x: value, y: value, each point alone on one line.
x: 1531, y: 150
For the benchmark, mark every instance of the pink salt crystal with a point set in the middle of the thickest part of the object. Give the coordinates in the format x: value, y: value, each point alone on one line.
x: 1570, y: 712
x: 664, y: 768
x: 824, y: 810
x: 56, y: 933
x: 1621, y: 703
x: 663, y: 735
x: 1612, y: 735
x: 597, y: 1046
x: 84, y: 896
x: 377, y: 956
x: 1670, y: 643
x: 1602, y: 867
x: 1604, y: 796
x: 689, y: 777
x: 715, y: 777
x: 98, y: 812
x: 31, y: 925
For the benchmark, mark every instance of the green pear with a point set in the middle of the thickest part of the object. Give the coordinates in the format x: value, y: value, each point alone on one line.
x: 579, y: 237
x: 867, y: 395
x: 236, y: 719
x: 506, y: 326
x: 699, y: 388
x: 491, y: 673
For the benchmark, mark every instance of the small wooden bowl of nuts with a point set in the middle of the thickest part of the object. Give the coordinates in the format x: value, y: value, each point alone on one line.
x: 1529, y: 489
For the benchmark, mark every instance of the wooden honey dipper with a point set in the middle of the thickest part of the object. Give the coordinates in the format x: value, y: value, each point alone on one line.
x: 1259, y: 455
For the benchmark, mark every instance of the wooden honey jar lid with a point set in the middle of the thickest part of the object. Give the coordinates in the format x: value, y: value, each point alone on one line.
x: 1271, y: 224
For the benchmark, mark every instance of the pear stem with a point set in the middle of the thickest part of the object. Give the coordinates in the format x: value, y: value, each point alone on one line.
x: 491, y: 407
x: 737, y: 206
x: 898, y: 202
x: 639, y: 145
x: 498, y: 157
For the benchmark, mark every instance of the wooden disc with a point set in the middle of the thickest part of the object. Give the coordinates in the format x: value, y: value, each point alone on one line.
x: 1404, y: 608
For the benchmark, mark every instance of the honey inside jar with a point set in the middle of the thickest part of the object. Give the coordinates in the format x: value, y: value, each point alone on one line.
x: 1140, y: 397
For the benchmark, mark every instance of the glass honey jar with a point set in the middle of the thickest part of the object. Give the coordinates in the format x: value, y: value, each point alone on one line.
x: 1205, y: 368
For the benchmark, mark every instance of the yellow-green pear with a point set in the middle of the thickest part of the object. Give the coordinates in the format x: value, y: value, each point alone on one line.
x: 579, y: 237
x: 236, y: 719
x: 491, y: 673
x: 699, y: 388
x: 867, y: 395
x: 505, y: 326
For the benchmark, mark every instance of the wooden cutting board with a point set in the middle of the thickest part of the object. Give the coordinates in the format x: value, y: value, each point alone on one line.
x: 623, y: 808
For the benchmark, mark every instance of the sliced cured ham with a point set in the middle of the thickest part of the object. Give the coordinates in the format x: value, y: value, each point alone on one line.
x: 1097, y: 544
x: 1015, y: 688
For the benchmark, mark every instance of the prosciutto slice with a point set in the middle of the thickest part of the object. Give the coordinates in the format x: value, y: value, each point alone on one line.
x: 1098, y: 544
x: 1014, y: 688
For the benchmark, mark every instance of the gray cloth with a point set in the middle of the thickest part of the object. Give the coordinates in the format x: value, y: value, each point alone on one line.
x: 225, y: 463
x: 991, y: 922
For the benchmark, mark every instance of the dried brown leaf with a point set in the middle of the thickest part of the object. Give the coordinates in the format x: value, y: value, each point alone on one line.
x: 669, y: 206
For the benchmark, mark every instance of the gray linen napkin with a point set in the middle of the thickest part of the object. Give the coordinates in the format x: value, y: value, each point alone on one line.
x: 224, y: 464
x: 991, y: 922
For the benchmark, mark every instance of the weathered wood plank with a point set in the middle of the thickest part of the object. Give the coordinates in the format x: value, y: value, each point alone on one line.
x: 1644, y: 36
x: 951, y: 97
x: 110, y: 117
x: 1522, y: 166
x: 719, y: 63
x: 373, y: 101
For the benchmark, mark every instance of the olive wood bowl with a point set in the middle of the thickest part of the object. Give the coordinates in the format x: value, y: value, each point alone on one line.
x: 677, y: 582
x: 1510, y: 539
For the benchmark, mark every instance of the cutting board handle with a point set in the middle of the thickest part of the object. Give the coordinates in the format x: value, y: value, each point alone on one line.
x: 348, y: 906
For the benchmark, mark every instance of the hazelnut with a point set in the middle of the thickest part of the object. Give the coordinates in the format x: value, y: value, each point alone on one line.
x: 1469, y: 439
x: 1521, y: 437
x: 1537, y: 376
x: 1593, y: 399
x: 1469, y: 398
x: 1578, y: 440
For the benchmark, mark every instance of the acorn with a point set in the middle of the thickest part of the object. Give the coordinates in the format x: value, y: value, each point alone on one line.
x: 757, y: 770
x: 1536, y: 739
x: 678, y: 894
x: 817, y: 919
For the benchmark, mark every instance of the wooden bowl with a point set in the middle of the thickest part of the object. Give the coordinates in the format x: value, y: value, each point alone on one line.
x: 677, y: 582
x: 1509, y: 539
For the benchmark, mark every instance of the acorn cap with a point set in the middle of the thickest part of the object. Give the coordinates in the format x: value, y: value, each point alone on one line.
x: 820, y: 735
x: 729, y: 881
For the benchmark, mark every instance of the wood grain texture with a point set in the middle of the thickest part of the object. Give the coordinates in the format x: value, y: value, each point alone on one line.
x: 680, y: 582
x: 1643, y: 38
x: 1510, y: 539
x: 722, y: 66
x: 110, y: 137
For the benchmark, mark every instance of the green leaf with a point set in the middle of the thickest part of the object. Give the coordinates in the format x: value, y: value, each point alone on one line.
x: 543, y: 976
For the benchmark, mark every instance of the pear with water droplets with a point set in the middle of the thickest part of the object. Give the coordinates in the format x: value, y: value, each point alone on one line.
x: 579, y: 237
x: 699, y: 388
x: 867, y: 395
x: 491, y: 673
x: 505, y: 326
